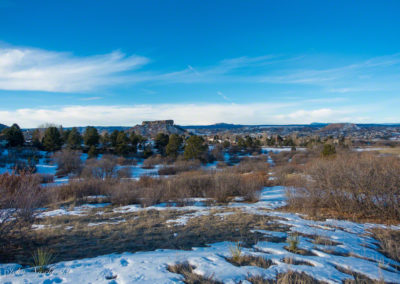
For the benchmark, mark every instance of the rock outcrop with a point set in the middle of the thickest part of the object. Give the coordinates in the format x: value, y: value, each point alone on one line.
x: 152, y: 128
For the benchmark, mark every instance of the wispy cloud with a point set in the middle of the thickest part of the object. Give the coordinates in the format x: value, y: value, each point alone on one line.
x: 219, y: 93
x: 40, y: 70
x: 91, y: 98
x: 185, y: 114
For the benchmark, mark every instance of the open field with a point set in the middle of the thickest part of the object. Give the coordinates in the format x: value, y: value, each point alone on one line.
x: 251, y: 220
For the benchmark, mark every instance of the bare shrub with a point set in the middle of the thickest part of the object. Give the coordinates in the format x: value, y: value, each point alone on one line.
x: 248, y: 165
x: 389, y: 242
x: 179, y: 167
x: 76, y: 189
x: 68, y: 162
x: 282, y: 157
x: 357, y: 185
x: 105, y: 168
x: 155, y: 160
x: 20, y: 195
x: 124, y: 193
x: 124, y: 172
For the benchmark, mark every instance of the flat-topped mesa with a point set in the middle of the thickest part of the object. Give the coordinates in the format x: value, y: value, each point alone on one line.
x: 152, y: 128
x: 158, y: 122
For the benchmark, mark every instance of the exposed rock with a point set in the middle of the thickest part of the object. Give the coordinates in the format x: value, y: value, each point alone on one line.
x: 152, y: 128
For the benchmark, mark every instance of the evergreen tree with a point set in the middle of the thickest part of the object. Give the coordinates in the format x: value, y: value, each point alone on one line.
x: 113, y: 138
x: 122, y: 144
x: 65, y: 135
x: 14, y: 136
x: 92, y: 153
x: 147, y: 151
x: 137, y: 140
x: 74, y: 139
x: 174, y: 145
x: 161, y: 141
x: 328, y: 150
x: 52, y: 139
x: 195, y: 148
x: 91, y: 136
x: 105, y: 139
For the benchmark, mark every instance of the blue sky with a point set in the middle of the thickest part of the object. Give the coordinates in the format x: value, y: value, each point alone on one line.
x: 199, y: 62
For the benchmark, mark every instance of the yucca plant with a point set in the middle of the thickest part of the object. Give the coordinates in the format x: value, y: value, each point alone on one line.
x: 42, y: 257
x: 236, y: 252
x: 293, y: 242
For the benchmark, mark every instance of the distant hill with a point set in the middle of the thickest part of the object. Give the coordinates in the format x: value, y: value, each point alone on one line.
x: 2, y: 126
x: 340, y: 127
x: 214, y: 126
x: 152, y: 128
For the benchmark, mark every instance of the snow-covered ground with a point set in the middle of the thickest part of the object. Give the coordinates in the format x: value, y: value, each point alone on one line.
x: 353, y: 249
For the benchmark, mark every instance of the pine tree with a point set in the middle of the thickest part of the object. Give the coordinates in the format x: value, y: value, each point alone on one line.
x: 122, y: 146
x: 52, y: 139
x: 91, y: 136
x: 74, y: 139
x: 174, y: 145
x: 92, y: 153
x: 113, y: 138
x: 195, y: 148
x: 328, y: 150
x: 14, y: 136
x: 161, y: 141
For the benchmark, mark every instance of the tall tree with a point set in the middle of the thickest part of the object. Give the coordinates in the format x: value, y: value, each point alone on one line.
x: 174, y: 145
x: 14, y: 136
x: 74, y: 139
x: 105, y: 139
x: 194, y: 148
x: 52, y: 139
x: 113, y: 138
x: 122, y: 144
x: 65, y: 134
x: 161, y: 141
x: 91, y: 136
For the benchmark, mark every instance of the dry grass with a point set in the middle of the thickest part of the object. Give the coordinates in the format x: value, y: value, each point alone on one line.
x: 389, y: 243
x: 289, y: 277
x: 190, y: 277
x: 250, y: 260
x: 139, y: 231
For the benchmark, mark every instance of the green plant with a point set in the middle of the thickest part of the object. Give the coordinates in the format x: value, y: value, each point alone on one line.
x: 42, y: 257
x: 293, y: 242
x: 236, y: 252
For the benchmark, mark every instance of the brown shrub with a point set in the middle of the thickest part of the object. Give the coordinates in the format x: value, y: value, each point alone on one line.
x: 19, y: 197
x: 105, y: 168
x: 360, y: 185
x: 179, y: 167
x: 155, y: 160
x: 77, y: 189
x: 248, y: 165
x: 68, y: 162
x: 389, y: 242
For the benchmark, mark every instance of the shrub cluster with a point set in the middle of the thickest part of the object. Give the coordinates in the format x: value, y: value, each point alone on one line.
x: 364, y: 185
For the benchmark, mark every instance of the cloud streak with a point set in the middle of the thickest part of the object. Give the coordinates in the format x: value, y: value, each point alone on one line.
x: 40, y: 70
x: 184, y: 114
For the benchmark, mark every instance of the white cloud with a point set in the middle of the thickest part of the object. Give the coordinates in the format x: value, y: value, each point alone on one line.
x: 184, y: 114
x: 317, y: 115
x: 40, y: 70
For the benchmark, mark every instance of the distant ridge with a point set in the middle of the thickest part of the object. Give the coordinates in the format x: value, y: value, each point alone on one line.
x: 2, y: 126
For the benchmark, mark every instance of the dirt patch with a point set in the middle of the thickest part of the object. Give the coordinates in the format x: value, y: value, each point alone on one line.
x: 147, y: 230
